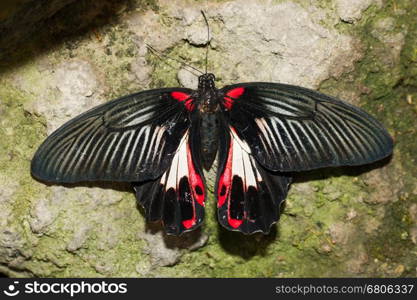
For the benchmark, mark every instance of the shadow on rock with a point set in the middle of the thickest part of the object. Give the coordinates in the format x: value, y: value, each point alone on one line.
x: 68, y: 26
x: 247, y: 246
x: 353, y: 171
x: 191, y: 240
x: 106, y: 185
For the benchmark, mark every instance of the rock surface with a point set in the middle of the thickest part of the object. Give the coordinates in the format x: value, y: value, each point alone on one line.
x: 351, y: 11
x: 341, y: 222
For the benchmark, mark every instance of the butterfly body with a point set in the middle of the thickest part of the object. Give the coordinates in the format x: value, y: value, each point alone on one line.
x: 208, y: 113
x: 209, y: 136
x: 161, y: 140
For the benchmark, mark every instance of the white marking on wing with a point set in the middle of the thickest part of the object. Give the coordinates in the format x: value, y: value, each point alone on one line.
x: 179, y: 167
x: 241, y: 165
x: 250, y: 179
x: 242, y: 144
x: 144, y: 146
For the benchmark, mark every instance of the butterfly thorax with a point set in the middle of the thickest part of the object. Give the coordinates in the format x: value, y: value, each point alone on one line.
x: 207, y: 94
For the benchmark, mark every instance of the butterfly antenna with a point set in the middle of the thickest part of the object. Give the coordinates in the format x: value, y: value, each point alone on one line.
x: 157, y: 54
x: 208, y: 36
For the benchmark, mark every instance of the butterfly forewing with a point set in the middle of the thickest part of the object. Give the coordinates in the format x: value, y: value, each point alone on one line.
x: 133, y: 138
x: 289, y: 128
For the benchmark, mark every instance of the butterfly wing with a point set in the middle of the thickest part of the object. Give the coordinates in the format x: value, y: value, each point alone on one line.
x: 133, y: 138
x: 271, y: 129
x: 248, y: 195
x: 289, y: 128
x: 144, y: 137
x: 177, y: 197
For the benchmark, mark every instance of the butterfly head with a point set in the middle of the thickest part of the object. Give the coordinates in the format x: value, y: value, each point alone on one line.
x: 206, y: 81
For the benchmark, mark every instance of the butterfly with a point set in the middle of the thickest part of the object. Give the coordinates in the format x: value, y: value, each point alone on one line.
x: 164, y: 140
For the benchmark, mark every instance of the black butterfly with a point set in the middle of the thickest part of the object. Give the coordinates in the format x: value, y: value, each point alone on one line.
x: 161, y: 140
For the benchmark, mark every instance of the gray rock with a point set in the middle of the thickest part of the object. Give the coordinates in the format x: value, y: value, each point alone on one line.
x: 282, y: 42
x: 187, y: 79
x: 384, y: 31
x: 350, y: 11
x: 75, y: 82
x: 79, y: 238
x: 167, y: 250
x: 43, y: 214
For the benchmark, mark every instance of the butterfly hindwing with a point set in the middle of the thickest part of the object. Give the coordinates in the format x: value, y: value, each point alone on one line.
x: 133, y: 138
x: 177, y: 197
x: 289, y: 128
x: 248, y: 195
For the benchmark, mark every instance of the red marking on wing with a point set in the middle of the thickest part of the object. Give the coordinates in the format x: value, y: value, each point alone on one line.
x: 236, y: 93
x: 228, y: 103
x: 235, y: 223
x: 231, y: 96
x: 181, y: 97
x: 189, y: 223
x: 225, y: 180
x: 197, y: 185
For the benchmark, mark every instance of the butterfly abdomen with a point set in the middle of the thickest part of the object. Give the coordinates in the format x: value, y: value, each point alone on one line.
x: 209, y: 134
